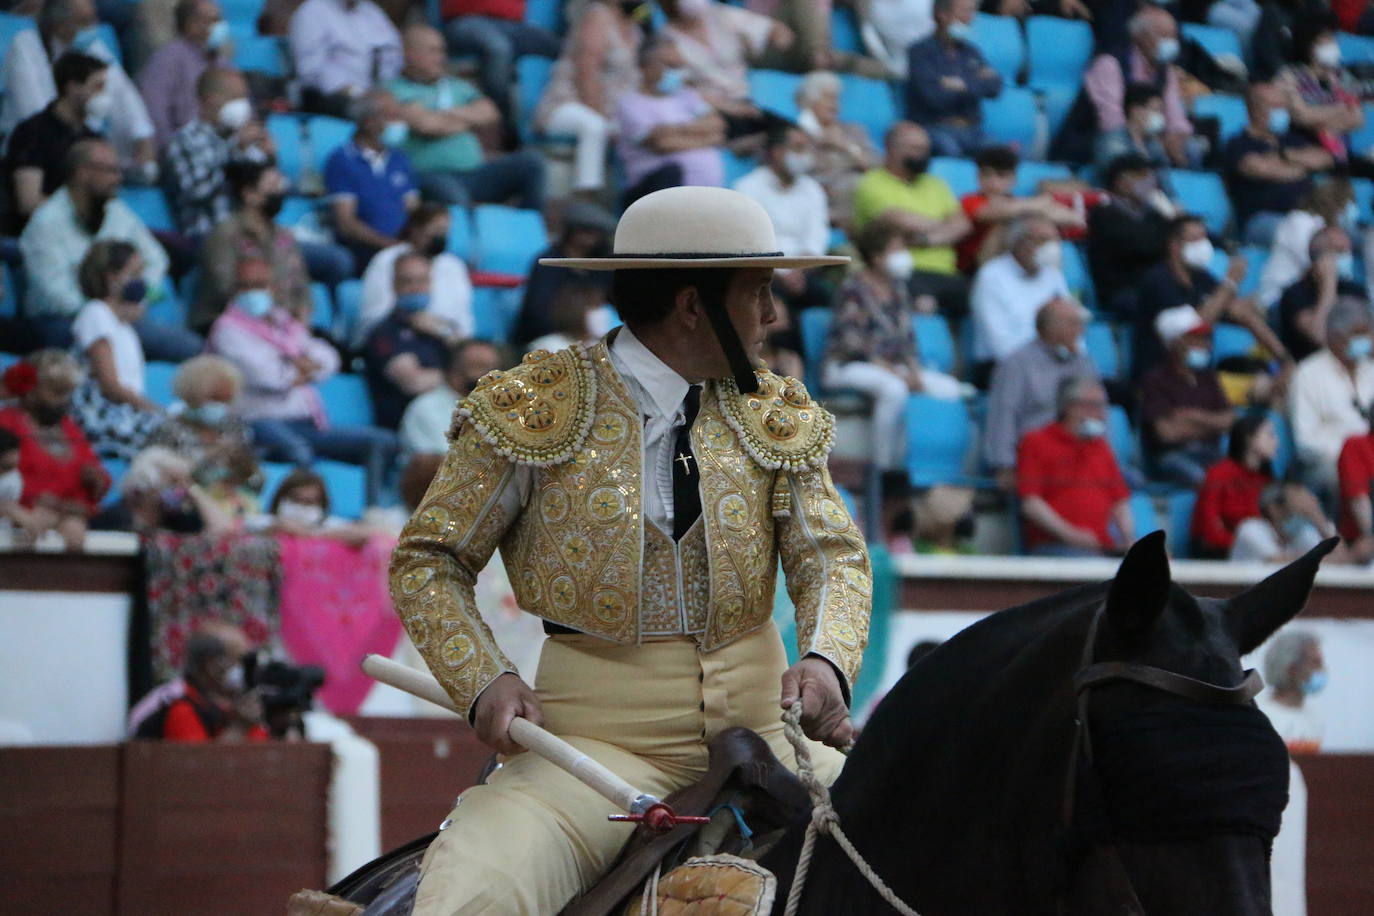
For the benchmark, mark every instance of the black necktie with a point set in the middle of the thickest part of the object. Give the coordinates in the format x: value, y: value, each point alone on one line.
x: 686, y: 492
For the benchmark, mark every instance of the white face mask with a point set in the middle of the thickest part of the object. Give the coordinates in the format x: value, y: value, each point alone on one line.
x: 301, y: 513
x: 98, y: 107
x: 899, y: 264
x: 11, y: 486
x: 693, y: 9
x: 1198, y: 253
x: 798, y: 164
x: 1049, y: 255
x: 235, y: 113
x: 1154, y: 123
x: 1328, y: 54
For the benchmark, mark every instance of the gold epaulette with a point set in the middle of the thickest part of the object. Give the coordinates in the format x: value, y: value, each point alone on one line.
x: 779, y: 425
x: 538, y: 413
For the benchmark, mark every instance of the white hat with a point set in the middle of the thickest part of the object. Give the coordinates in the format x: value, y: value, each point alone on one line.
x: 694, y: 227
x: 1171, y: 324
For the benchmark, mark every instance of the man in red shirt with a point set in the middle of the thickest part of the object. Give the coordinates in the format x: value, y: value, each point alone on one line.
x: 209, y: 702
x: 1355, y: 470
x: 497, y: 33
x: 1070, y: 485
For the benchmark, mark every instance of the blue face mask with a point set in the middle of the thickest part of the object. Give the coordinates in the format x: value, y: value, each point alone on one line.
x: 1350, y: 216
x: 219, y: 35
x: 1279, y: 120
x: 256, y: 302
x: 1092, y: 428
x: 960, y: 30
x: 211, y: 413
x: 672, y: 80
x: 395, y: 133
x: 1359, y: 347
x: 1316, y: 682
x: 1345, y: 265
x: 136, y: 290
x: 411, y: 303
x: 1166, y: 52
x: 1198, y: 359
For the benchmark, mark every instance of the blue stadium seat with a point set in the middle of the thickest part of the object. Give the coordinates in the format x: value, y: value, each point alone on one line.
x: 346, y: 485
x: 326, y: 135
x: 1355, y: 49
x: 459, y: 232
x: 999, y: 38
x: 321, y: 308
x: 1231, y: 340
x: 815, y: 329
x: 960, y: 174
x: 934, y: 342
x: 346, y: 400
x: 165, y: 306
x: 1229, y: 110
x: 938, y: 435
x: 844, y: 31
x: 547, y: 14
x: 1362, y: 139
x: 157, y: 382
x: 1101, y: 345
x: 273, y: 473
x: 1076, y: 274
x: 1364, y: 199
x: 1057, y: 101
x: 1030, y: 174
x: 242, y: 12
x: 736, y: 167
x: 1255, y: 258
x: 260, y: 53
x: 8, y: 359
x: 494, y: 311
x: 11, y: 25
x: 110, y: 39
x: 116, y: 468
x: 1011, y: 118
x: 1283, y: 460
x: 1181, y: 505
x: 286, y: 135
x: 532, y: 74
x: 1143, y: 514
x: 149, y: 205
x: 9, y: 297
x: 1214, y: 39
x: 348, y: 305
x: 294, y: 209
x: 775, y: 91
x: 1204, y: 194
x: 1059, y: 50
x: 868, y: 102
x: 1121, y: 437
x: 508, y: 239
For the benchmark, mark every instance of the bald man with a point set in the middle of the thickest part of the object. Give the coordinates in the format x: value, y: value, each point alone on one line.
x: 442, y: 113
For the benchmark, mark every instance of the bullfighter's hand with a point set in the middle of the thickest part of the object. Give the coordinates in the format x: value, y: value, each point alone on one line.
x: 825, y: 717
x: 504, y: 699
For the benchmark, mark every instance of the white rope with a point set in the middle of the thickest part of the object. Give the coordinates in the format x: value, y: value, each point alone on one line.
x: 648, y: 903
x: 824, y: 820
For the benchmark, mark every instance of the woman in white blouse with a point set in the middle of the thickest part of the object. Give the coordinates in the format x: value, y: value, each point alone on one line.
x: 111, y: 405
x: 1331, y: 202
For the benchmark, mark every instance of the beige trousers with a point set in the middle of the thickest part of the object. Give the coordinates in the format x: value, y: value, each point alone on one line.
x: 534, y: 837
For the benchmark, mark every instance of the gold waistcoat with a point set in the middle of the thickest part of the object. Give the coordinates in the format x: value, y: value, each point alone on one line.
x: 580, y: 553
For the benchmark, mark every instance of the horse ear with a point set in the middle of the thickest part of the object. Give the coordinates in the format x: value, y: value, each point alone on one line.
x: 1140, y: 591
x: 1254, y: 614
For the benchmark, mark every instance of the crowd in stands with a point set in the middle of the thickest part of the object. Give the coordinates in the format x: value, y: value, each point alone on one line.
x: 1116, y: 252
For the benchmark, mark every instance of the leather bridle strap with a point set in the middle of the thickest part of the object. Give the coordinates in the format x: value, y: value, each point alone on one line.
x: 1170, y: 682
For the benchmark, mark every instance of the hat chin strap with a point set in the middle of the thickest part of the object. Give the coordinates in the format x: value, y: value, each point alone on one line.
x: 740, y: 367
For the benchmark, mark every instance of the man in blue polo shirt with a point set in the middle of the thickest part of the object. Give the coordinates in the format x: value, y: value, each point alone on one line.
x: 370, y: 184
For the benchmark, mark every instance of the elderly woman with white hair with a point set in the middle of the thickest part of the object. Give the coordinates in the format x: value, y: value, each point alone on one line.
x: 1294, y: 671
x: 158, y: 494
x: 1332, y: 392
x: 843, y: 151
x: 207, y: 388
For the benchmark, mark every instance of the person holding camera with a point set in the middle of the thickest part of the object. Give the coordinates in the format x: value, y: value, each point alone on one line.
x: 210, y: 701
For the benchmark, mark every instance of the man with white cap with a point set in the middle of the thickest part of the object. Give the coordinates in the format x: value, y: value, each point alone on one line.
x: 642, y: 492
x: 1184, y: 412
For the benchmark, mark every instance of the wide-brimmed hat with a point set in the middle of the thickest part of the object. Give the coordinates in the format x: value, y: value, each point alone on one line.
x: 694, y: 227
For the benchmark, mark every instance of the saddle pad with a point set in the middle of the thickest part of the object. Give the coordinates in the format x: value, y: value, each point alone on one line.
x: 720, y: 885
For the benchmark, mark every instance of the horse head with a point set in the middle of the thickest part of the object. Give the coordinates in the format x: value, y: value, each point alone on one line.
x: 1177, y: 784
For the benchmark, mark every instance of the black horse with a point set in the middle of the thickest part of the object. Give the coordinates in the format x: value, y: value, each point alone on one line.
x: 974, y: 791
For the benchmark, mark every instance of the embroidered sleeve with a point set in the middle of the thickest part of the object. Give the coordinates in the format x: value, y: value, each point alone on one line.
x: 472, y: 501
x: 828, y: 573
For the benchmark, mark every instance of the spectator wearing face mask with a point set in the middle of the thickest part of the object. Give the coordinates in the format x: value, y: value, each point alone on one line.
x: 404, y: 354
x: 257, y: 190
x: 450, y: 301
x: 223, y: 130
x: 210, y: 701
x: 872, y: 347
x: 1071, y: 489
x: 111, y: 406
x: 844, y: 151
x: 1323, y: 96
x: 1127, y: 235
x: 1295, y: 671
x: 1100, y: 108
x: 947, y: 80
x: 170, y: 80
x: 281, y: 362
x: 300, y: 508
x: 1140, y: 134
x: 1184, y: 412
x: 1230, y: 493
x: 36, y: 155
x: 1026, y: 383
x: 1332, y: 390
x: 1303, y: 307
x: 158, y: 493
x: 63, y: 479
x: 1330, y: 203
x: 923, y: 207
x: 797, y: 206
x: 1010, y: 289
x: 207, y: 389
x: 427, y: 419
x: 1184, y: 278
x: 370, y: 183
x: 1268, y: 166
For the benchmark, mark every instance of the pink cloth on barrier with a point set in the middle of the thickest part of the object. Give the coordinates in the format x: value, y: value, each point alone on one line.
x: 335, y: 609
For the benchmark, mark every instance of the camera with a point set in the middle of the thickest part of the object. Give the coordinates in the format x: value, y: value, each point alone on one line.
x: 285, y: 690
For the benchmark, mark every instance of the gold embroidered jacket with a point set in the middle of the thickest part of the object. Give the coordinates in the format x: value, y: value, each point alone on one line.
x: 575, y: 550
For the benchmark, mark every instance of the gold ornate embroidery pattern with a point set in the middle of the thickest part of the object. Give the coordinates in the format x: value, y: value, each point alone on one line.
x: 450, y: 538
x: 540, y: 412
x: 664, y: 608
x: 779, y: 425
